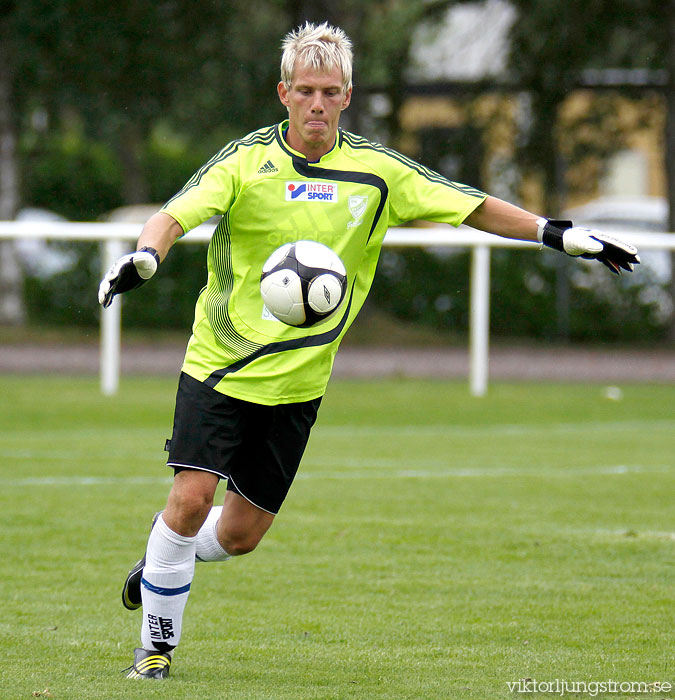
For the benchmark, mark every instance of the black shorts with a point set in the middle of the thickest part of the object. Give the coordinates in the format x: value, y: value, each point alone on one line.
x: 256, y: 448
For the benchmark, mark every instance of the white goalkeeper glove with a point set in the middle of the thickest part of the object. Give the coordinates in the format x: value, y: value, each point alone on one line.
x: 588, y: 243
x: 129, y: 272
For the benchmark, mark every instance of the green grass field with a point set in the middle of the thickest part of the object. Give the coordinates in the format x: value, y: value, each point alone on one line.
x: 433, y: 546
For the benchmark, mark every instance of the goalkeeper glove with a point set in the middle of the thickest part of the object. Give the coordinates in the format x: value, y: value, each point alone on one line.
x: 588, y: 243
x: 129, y: 272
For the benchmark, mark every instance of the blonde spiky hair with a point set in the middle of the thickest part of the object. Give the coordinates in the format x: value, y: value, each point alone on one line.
x: 322, y: 47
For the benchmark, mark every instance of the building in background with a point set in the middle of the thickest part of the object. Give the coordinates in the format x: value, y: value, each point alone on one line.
x: 464, y: 116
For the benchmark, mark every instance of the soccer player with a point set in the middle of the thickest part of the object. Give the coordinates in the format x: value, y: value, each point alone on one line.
x: 250, y: 386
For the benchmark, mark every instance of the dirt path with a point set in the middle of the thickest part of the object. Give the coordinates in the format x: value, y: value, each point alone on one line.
x: 531, y: 363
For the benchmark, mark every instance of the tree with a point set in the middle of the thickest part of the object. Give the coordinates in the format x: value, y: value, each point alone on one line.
x: 553, y: 41
x: 669, y: 57
x: 12, y: 309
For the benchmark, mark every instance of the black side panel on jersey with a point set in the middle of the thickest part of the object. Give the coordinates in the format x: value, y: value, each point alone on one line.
x: 281, y: 346
x: 307, y: 170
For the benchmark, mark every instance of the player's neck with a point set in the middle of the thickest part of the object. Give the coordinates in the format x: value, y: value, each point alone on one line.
x: 311, y: 152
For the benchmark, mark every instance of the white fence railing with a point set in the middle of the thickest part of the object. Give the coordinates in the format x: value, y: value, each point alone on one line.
x: 118, y: 238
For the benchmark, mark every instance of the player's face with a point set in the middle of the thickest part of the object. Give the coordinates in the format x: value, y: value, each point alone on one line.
x: 315, y: 101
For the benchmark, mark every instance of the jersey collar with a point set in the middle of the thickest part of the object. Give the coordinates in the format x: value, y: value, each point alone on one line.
x: 282, y: 128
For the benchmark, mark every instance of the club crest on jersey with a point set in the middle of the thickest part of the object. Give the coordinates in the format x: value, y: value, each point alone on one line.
x: 357, y: 208
x: 311, y: 192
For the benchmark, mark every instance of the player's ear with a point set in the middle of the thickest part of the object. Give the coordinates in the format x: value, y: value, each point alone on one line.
x: 282, y: 91
x: 347, y: 99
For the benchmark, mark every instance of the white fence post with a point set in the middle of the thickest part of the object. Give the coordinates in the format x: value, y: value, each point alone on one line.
x: 111, y: 326
x: 479, y: 320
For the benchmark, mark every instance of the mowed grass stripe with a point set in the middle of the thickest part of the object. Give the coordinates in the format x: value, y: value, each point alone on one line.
x: 350, y: 430
x: 497, y: 430
x: 371, y: 469
x: 408, y: 562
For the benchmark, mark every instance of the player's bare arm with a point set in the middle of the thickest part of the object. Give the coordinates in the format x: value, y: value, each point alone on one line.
x: 509, y: 221
x: 160, y: 232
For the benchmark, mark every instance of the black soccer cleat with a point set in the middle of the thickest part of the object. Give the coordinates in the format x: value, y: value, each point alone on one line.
x: 131, y: 591
x: 149, y: 663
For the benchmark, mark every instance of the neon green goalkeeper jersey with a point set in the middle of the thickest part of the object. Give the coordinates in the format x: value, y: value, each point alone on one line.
x: 268, y: 194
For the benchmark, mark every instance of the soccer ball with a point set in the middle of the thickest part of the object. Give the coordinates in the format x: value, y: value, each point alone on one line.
x: 303, y: 283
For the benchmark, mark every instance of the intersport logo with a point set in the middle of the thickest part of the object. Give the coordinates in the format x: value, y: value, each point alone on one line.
x: 311, y: 192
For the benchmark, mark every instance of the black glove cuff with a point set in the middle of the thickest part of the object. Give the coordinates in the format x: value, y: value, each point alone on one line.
x: 152, y: 251
x: 552, y: 237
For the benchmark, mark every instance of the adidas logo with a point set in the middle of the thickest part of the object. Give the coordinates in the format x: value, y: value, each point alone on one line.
x: 269, y: 167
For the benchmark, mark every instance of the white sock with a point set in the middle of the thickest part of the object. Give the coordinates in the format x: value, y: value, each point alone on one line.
x: 165, y: 586
x: 208, y: 547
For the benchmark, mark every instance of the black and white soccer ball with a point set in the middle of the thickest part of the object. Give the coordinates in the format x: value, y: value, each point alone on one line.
x: 303, y: 283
